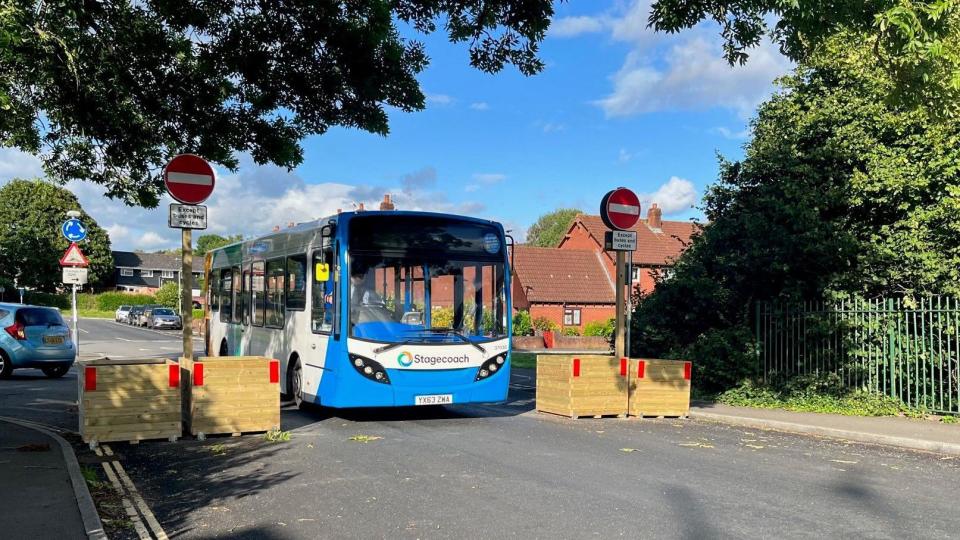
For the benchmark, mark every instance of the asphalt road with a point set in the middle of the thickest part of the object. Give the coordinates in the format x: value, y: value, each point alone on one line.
x: 507, y: 471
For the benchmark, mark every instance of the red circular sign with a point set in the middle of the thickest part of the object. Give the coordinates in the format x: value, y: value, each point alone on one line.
x: 189, y: 178
x: 620, y: 209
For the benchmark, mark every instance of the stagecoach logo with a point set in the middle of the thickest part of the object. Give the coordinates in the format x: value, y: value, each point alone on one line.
x: 405, y: 359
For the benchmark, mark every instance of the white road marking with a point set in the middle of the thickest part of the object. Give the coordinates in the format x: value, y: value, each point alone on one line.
x: 138, y: 500
x: 125, y: 339
x: 127, y: 505
x: 84, y: 331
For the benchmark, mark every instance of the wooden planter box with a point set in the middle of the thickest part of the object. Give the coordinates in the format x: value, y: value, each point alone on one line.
x: 581, y: 385
x: 230, y: 394
x: 129, y: 400
x: 659, y: 387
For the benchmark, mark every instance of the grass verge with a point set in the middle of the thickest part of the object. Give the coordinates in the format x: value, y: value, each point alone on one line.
x: 815, y: 394
x: 523, y: 360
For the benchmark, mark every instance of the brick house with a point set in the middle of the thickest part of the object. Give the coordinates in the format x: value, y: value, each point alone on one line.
x: 659, y: 243
x: 147, y: 272
x: 571, y: 287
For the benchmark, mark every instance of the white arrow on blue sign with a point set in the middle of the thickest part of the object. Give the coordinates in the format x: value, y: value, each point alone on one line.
x: 73, y: 230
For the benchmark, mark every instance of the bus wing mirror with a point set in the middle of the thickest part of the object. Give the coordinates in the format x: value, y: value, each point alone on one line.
x: 321, y: 272
x: 510, y: 245
x: 326, y: 234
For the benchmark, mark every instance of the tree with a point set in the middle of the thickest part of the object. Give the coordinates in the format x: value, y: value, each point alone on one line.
x: 31, y: 212
x: 916, y: 41
x: 550, y: 228
x: 841, y: 193
x: 109, y: 91
x: 207, y: 242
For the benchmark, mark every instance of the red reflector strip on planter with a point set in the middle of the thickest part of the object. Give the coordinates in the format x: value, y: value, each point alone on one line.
x: 274, y: 371
x: 198, y: 374
x: 686, y: 370
x: 640, y: 367
x: 90, y: 379
x: 174, y: 376
x: 623, y: 367
x: 576, y: 367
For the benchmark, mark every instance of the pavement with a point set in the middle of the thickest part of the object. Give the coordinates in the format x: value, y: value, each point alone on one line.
x: 505, y: 470
x: 915, y: 434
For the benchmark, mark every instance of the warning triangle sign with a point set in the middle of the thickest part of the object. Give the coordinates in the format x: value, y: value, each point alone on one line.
x: 73, y: 257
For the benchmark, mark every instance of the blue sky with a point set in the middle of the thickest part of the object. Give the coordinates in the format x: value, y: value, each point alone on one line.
x: 616, y: 105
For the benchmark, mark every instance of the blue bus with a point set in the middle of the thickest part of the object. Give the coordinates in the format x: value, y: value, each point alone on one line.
x: 370, y: 308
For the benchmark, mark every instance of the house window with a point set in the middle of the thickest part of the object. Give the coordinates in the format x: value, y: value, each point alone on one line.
x: 571, y: 316
x: 146, y: 273
x: 635, y: 274
x: 126, y: 272
x: 167, y: 274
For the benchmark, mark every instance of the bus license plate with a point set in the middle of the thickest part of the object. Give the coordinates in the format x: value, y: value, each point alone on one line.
x: 53, y: 340
x: 438, y: 399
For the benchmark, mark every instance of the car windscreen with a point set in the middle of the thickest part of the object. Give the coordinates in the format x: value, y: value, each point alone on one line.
x: 39, y: 317
x: 163, y: 312
x: 124, y: 308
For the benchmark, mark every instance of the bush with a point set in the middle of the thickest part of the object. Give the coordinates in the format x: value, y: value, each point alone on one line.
x: 168, y: 295
x: 599, y: 328
x: 571, y: 331
x: 441, y: 317
x: 37, y: 298
x: 544, y: 324
x: 110, y: 301
x: 522, y: 325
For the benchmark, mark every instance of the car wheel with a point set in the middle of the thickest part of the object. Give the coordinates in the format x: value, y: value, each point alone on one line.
x: 55, y: 372
x: 6, y: 367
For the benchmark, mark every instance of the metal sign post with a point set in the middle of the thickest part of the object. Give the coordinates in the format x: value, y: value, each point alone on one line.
x: 620, y: 211
x: 74, y: 265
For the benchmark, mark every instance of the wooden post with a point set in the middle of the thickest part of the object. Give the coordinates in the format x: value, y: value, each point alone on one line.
x: 186, y: 294
x: 620, y: 330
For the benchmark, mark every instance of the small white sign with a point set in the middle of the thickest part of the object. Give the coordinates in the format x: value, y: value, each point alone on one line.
x: 622, y: 240
x: 187, y: 216
x: 74, y: 276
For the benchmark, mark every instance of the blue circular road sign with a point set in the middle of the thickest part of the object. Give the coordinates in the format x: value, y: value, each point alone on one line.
x: 73, y: 230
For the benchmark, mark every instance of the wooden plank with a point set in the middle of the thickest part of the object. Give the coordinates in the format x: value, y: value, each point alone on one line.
x: 137, y: 419
x: 663, y: 391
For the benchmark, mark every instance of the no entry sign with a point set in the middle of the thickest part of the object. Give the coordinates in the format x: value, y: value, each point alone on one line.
x: 620, y: 209
x: 189, y: 178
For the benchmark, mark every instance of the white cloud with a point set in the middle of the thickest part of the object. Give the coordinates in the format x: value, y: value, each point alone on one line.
x: 728, y: 133
x: 676, y: 195
x: 624, y: 156
x: 695, y: 77
x: 440, y: 99
x: 470, y: 188
x: 489, y: 178
x: 17, y: 164
x: 553, y: 127
x: 565, y: 27
x: 151, y: 240
x: 480, y: 106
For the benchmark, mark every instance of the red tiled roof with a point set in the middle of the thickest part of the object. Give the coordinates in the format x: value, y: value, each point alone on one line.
x: 552, y: 275
x: 653, y: 248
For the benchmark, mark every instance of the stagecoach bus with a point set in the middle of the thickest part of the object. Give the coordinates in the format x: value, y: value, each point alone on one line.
x: 370, y: 309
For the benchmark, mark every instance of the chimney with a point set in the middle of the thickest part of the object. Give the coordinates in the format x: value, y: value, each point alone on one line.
x: 387, y: 204
x: 654, y: 220
x: 276, y: 228
x: 361, y: 208
x: 291, y: 225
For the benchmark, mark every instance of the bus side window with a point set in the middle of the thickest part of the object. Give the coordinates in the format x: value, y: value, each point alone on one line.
x: 274, y: 293
x: 296, y: 282
x: 244, y: 299
x: 237, y: 295
x: 257, y: 299
x: 226, y: 295
x: 323, y: 294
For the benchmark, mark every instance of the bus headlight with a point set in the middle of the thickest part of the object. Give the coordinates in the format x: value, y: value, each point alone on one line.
x: 369, y: 369
x: 491, y: 366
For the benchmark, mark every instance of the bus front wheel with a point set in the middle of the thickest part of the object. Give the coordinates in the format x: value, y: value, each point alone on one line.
x: 295, y: 383
x: 223, y: 348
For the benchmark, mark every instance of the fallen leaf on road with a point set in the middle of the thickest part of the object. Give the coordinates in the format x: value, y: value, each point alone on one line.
x: 36, y: 447
x: 757, y: 446
x: 696, y: 445
x: 628, y: 450
x: 843, y: 461
x: 365, y: 438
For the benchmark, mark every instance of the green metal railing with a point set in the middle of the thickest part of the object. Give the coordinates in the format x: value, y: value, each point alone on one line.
x: 905, y: 350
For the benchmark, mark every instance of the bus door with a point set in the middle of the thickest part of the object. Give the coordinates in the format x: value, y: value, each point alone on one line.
x: 324, y: 302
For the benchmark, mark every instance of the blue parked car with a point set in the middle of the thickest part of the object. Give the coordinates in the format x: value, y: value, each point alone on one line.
x: 34, y: 337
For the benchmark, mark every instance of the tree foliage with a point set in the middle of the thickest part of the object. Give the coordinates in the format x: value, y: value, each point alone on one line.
x: 207, y: 242
x: 109, y: 91
x: 550, y: 228
x: 841, y: 192
x: 31, y: 212
x: 915, y: 41
x: 168, y: 295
